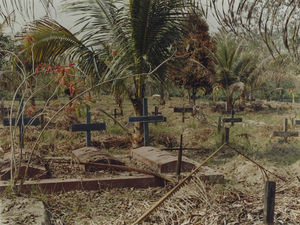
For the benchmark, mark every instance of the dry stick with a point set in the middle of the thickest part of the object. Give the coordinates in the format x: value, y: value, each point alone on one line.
x: 166, y: 196
x: 112, y: 166
x: 260, y: 166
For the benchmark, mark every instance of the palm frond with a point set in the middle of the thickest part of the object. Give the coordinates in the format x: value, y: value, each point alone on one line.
x: 50, y: 40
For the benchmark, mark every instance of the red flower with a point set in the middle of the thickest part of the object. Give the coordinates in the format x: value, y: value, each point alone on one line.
x: 48, y: 70
x: 115, y: 53
x: 58, y: 68
x: 29, y: 112
x: 38, y: 69
x: 72, y: 64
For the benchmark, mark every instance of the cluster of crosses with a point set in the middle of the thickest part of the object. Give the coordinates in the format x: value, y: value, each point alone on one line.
x: 88, y: 127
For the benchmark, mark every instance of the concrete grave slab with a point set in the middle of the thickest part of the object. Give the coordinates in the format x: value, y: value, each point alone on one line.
x: 160, y: 161
x: 65, y: 185
x: 23, y: 211
x: 34, y: 171
x: 164, y: 162
x: 94, y: 155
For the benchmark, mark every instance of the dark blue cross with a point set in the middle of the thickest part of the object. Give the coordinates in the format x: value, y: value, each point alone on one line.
x: 88, y: 127
x: 21, y: 122
x: 232, y: 120
x: 145, y: 119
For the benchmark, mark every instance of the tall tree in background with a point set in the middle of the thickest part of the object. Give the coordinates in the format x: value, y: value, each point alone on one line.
x: 138, y: 35
x: 193, y: 67
x: 235, y: 66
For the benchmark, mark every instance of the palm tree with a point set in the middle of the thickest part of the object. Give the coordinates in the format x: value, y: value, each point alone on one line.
x: 235, y: 66
x: 119, y: 41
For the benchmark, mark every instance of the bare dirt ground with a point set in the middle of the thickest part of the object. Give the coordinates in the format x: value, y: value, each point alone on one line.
x: 238, y: 201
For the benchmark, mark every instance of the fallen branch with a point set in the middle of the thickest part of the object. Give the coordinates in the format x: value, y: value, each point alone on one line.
x: 109, y: 166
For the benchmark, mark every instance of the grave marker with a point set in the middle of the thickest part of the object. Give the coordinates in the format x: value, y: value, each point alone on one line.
x: 21, y: 121
x: 179, y: 160
x: 269, y: 202
x: 285, y: 133
x: 183, y: 110
x: 88, y: 127
x: 145, y: 119
x: 116, y: 114
x: 232, y: 120
x: 156, y: 112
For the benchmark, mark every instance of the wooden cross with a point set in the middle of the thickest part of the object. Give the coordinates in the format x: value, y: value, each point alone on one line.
x: 285, y: 133
x: 88, y: 127
x: 232, y: 120
x: 21, y: 121
x: 156, y: 113
x: 183, y: 110
x: 145, y: 119
x: 116, y: 114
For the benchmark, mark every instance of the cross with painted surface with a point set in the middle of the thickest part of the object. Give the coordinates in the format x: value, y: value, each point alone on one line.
x: 145, y: 119
x: 88, y: 127
x: 183, y: 110
x: 232, y: 120
x: 285, y: 133
x: 21, y: 122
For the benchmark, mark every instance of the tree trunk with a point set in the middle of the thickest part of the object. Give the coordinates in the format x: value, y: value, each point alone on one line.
x: 229, y: 103
x: 137, y: 137
x: 189, y: 95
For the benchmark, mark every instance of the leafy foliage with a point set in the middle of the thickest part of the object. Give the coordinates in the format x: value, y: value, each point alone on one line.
x: 193, y: 67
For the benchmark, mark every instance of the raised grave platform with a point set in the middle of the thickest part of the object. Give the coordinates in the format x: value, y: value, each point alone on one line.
x: 160, y: 161
x: 94, y: 155
x: 165, y: 162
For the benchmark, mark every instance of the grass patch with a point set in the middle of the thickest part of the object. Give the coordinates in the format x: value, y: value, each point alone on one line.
x: 281, y: 153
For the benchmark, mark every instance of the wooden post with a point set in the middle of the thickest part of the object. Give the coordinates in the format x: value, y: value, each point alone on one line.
x: 88, y: 132
x: 285, y: 129
x: 232, y: 117
x: 183, y: 113
x: 146, y: 125
x: 269, y: 202
x: 155, y: 112
x: 115, y: 115
x: 227, y: 134
x: 179, y: 160
x: 219, y: 124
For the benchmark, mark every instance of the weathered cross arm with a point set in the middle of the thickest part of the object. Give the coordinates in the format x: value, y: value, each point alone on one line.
x: 235, y: 120
x: 147, y: 119
x: 88, y: 127
x: 286, y: 134
x: 26, y: 121
x: 183, y: 110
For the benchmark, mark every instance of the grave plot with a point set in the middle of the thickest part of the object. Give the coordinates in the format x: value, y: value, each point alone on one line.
x: 285, y: 133
x: 94, y: 155
x: 35, y: 170
x: 164, y: 162
x: 88, y: 169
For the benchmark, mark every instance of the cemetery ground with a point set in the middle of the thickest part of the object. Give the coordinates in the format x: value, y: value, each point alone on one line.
x: 238, y: 200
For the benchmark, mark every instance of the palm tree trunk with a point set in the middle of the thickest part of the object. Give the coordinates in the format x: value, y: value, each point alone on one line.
x: 137, y: 136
